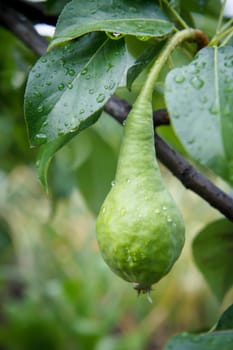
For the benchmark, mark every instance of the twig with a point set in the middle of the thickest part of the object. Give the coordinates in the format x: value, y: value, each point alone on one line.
x: 119, y: 110
x: 31, y: 10
x: 23, y: 29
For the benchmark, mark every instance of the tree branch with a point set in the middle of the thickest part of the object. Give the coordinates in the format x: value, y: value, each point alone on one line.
x: 23, y: 29
x: 32, y: 11
x: 119, y: 110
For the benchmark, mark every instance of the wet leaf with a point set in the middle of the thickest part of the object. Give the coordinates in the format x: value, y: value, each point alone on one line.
x: 140, y: 18
x: 139, y: 65
x: 68, y: 87
x: 226, y: 320
x: 212, y: 250
x: 199, y: 100
x: 209, y: 341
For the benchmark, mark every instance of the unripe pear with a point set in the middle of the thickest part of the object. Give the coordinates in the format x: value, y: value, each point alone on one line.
x: 140, y: 230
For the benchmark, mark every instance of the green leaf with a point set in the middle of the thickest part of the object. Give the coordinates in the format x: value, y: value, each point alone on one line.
x: 226, y: 320
x: 55, y: 6
x: 139, y: 65
x: 199, y: 100
x: 212, y: 250
x: 210, y: 7
x: 46, y: 154
x: 141, y: 18
x: 68, y: 87
x: 210, y: 341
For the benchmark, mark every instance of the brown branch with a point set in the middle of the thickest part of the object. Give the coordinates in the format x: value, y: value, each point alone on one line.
x: 32, y: 11
x: 119, y: 110
x: 181, y: 168
x: 23, y: 29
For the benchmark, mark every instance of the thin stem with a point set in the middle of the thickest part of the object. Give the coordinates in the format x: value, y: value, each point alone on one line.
x: 220, y: 19
x: 176, y: 14
x: 227, y: 25
x: 220, y: 36
x: 227, y: 39
x: 176, y: 40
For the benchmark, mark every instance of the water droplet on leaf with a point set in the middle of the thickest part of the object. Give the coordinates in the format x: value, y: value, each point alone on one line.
x: 61, y: 87
x: 196, y: 82
x: 179, y: 78
x: 72, y: 72
x: 37, y: 93
x: 41, y: 137
x: 84, y: 71
x: 214, y: 109
x: 203, y: 99
x: 100, y: 98
x: 40, y: 109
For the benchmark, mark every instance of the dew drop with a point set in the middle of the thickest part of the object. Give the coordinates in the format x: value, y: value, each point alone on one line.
x: 226, y: 110
x: 37, y: 75
x: 112, y: 84
x: 45, y: 124
x: 41, y: 137
x: 157, y: 211
x: 110, y: 66
x: 179, y: 78
x: 214, y: 109
x: 37, y: 93
x: 169, y: 219
x: 61, y: 87
x: 40, y: 109
x: 48, y: 83
x: 60, y: 132
x: 124, y: 122
x: 82, y: 111
x: 100, y: 98
x: 113, y: 183
x: 228, y: 63
x: 176, y: 116
x: 228, y: 88
x: 88, y: 77
x: 91, y: 91
x: 196, y: 82
x: 191, y: 141
x: 103, y: 210
x: 72, y: 72
x: 70, y: 86
x: 164, y: 207
x: 203, y: 99
x: 43, y: 60
x: 84, y: 71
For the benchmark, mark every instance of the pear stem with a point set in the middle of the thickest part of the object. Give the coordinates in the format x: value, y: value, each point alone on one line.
x: 177, y: 39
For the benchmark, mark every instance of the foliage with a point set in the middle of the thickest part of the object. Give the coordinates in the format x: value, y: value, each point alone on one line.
x: 90, y: 58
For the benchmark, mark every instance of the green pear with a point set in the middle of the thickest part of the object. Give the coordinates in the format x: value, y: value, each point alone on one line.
x: 140, y: 230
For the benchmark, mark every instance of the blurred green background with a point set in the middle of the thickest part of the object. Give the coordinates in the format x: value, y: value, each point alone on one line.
x: 55, y: 290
